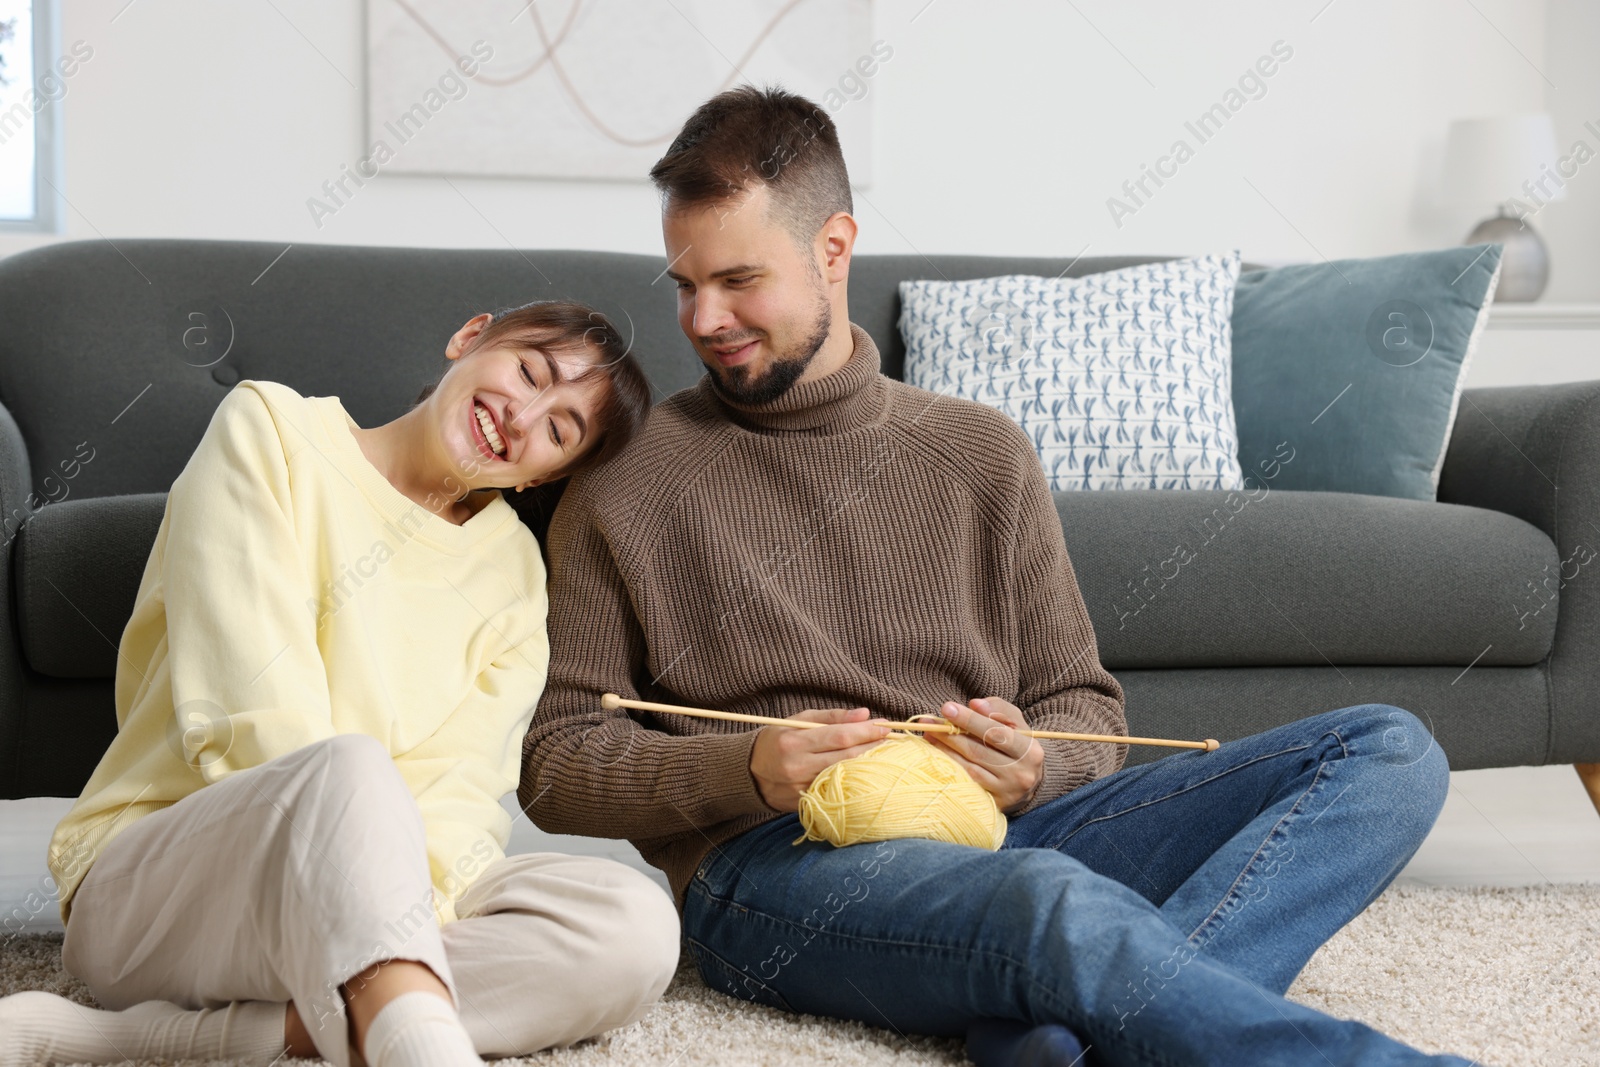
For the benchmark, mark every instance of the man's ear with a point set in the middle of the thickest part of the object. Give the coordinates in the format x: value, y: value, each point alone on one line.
x: 465, y: 336
x: 836, y: 241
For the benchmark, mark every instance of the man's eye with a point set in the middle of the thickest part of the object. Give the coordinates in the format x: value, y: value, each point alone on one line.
x: 555, y: 434
x: 739, y: 281
x: 684, y: 287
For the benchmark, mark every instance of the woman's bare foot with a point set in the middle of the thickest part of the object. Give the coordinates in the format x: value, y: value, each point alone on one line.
x: 371, y: 991
x: 296, y: 1039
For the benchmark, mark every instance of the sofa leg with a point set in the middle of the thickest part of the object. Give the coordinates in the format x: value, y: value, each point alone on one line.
x: 1590, y: 773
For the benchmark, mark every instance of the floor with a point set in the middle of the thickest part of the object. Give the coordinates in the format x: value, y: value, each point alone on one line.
x: 1517, y: 826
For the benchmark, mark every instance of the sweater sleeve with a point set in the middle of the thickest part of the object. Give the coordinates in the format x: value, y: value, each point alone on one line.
x: 600, y: 773
x: 1062, y: 684
x: 247, y: 676
x: 461, y: 771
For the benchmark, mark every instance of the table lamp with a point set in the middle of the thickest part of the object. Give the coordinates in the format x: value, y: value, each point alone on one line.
x: 1509, y: 160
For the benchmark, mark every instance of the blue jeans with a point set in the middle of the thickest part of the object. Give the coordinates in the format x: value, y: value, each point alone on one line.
x: 1159, y: 912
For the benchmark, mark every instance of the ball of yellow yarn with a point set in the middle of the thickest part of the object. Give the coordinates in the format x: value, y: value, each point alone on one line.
x: 903, y: 787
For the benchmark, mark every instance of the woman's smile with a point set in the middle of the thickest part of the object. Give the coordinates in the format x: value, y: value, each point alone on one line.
x: 485, y: 433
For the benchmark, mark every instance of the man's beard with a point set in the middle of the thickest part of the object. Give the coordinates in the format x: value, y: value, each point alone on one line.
x: 783, y: 371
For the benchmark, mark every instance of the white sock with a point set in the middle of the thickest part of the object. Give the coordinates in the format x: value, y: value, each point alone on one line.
x: 419, y: 1029
x: 38, y: 1027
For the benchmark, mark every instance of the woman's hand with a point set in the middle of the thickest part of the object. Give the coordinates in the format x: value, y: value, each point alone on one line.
x: 1008, y: 764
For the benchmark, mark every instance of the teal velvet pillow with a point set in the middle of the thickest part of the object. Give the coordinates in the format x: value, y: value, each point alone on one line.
x: 1355, y: 368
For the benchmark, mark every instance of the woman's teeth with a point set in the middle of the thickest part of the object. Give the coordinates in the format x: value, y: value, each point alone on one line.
x: 489, y: 433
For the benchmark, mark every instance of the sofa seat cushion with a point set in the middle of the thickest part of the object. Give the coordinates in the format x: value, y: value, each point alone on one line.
x: 78, y: 566
x: 1208, y: 578
x: 1172, y: 578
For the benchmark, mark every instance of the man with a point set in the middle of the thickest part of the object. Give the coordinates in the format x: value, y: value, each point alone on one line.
x: 800, y: 536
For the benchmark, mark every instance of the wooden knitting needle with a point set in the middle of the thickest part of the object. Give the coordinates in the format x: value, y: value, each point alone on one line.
x: 612, y: 700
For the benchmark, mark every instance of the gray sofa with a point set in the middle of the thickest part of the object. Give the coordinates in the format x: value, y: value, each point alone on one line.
x: 1481, y: 613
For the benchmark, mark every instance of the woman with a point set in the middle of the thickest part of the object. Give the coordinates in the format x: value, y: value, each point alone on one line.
x: 295, y: 841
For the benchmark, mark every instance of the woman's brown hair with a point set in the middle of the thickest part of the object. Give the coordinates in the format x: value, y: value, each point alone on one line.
x: 565, y: 325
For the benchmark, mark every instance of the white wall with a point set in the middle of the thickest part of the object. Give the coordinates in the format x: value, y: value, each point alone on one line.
x: 1000, y: 127
x: 1571, y: 227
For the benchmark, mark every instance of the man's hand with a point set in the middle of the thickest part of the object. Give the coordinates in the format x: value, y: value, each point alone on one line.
x: 1008, y: 764
x: 785, y: 760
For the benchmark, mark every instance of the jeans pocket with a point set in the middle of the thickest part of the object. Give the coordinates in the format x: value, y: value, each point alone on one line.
x: 738, y: 982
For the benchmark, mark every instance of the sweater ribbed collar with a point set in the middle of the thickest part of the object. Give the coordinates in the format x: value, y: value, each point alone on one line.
x: 855, y: 395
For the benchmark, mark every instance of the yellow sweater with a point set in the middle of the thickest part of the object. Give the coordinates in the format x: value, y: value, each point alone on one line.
x: 292, y: 594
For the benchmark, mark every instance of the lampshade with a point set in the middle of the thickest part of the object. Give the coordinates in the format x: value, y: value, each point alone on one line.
x: 1487, y: 160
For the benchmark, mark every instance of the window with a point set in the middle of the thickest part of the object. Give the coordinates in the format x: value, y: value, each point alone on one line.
x: 30, y: 116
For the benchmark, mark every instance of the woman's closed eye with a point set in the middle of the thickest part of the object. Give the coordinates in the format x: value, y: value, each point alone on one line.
x: 555, y: 431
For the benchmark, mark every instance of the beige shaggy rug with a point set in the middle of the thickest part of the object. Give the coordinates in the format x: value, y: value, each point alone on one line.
x: 1506, y: 976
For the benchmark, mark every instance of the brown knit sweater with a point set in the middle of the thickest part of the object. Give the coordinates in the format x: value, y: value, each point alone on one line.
x: 856, y: 542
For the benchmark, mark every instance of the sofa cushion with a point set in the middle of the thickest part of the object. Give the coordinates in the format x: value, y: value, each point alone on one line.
x: 1284, y: 578
x: 78, y: 567
x: 1122, y: 379
x: 1361, y: 362
x: 1208, y: 578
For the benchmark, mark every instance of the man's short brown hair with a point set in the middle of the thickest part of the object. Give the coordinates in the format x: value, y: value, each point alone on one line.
x: 748, y: 137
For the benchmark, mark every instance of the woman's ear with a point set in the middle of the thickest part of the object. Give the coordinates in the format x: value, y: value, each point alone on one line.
x: 531, y: 483
x: 465, y: 336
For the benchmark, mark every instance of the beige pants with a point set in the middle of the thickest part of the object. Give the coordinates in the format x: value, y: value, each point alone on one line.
x: 282, y: 882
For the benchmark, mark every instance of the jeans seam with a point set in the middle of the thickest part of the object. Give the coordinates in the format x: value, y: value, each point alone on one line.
x: 1273, y: 835
x: 697, y: 947
x: 1176, y: 793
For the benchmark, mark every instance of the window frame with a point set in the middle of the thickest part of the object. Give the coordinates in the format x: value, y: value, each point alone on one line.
x: 48, y: 216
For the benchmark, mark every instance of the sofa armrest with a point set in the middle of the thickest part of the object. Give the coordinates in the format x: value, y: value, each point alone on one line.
x: 16, y: 504
x: 1533, y: 451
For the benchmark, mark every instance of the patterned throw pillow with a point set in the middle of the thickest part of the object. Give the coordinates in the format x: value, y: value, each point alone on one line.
x: 1122, y: 379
